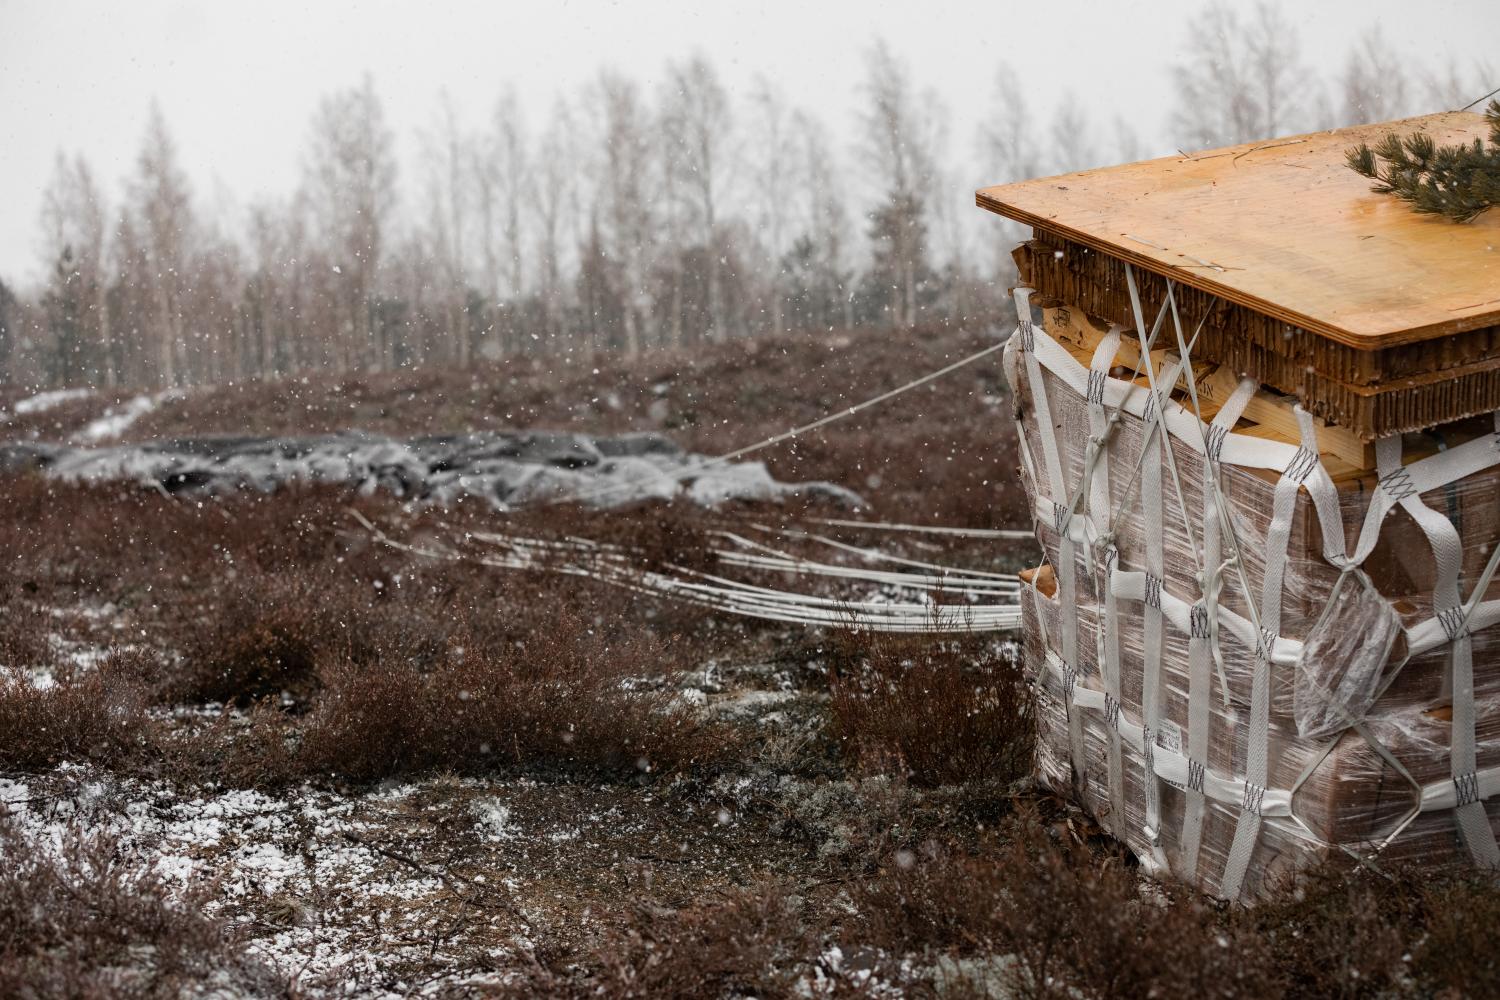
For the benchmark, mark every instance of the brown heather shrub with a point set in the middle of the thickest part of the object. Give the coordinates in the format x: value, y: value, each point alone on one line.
x: 265, y: 635
x: 570, y: 697
x: 934, y: 899
x: 936, y: 710
x: 750, y: 942
x: 1082, y: 923
x: 1341, y: 931
x: 1457, y: 955
x: 1078, y: 924
x: 1024, y: 914
x: 263, y: 638
x: 140, y: 549
x: 25, y: 628
x: 84, y: 924
x: 1344, y: 930
x: 459, y: 665
x: 96, y: 715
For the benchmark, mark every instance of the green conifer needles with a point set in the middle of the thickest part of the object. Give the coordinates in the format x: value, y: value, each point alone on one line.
x: 1457, y: 182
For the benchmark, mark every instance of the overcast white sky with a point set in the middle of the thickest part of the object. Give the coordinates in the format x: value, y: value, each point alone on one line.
x: 238, y: 81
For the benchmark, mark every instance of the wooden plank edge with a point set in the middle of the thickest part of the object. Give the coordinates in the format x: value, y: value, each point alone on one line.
x: 1193, y: 278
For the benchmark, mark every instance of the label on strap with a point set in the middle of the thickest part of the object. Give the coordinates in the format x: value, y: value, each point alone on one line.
x: 1169, y: 736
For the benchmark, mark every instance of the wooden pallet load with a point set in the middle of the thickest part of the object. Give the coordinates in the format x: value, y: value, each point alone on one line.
x: 1259, y: 414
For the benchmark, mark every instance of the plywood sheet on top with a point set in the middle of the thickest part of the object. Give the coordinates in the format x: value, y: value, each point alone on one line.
x: 1284, y: 227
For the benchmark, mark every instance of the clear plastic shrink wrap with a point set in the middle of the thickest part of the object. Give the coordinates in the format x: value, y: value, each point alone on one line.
x: 1228, y: 685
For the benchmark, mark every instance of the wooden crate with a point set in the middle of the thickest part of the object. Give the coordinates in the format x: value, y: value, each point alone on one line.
x: 1348, y: 795
x: 1377, y: 318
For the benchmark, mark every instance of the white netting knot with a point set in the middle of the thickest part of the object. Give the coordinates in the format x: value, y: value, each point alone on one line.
x: 1211, y: 582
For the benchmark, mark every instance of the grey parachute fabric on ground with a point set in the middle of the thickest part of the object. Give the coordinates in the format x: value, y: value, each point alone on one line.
x: 508, y: 469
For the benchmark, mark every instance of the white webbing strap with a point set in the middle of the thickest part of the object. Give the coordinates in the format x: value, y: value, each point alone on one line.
x: 1040, y: 609
x: 1106, y: 632
x: 1046, y: 430
x: 1153, y: 523
x: 1094, y: 485
x: 1023, y: 446
x: 1067, y: 584
x: 1447, y: 552
x: 1012, y: 362
x: 1257, y: 760
x: 1201, y: 637
x: 1420, y: 476
x: 1399, y: 484
x: 1173, y: 766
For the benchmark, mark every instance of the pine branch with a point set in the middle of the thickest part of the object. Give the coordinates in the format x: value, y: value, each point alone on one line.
x: 1456, y: 182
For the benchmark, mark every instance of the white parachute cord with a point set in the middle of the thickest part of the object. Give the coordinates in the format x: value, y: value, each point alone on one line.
x: 717, y: 460
x: 1009, y: 534
x: 878, y: 555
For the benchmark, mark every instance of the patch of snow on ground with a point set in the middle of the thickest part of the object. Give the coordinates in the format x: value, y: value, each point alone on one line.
x: 494, y: 819
x: 80, y: 656
x: 44, y: 401
x: 751, y: 702
x: 117, y: 419
x: 39, y: 679
x: 13, y: 796
x: 297, y: 848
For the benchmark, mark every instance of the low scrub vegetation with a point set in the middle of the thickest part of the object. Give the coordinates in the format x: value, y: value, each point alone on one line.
x: 935, y: 710
x: 270, y: 642
x: 716, y: 806
x: 567, y: 696
x: 82, y: 922
x: 360, y: 662
x: 754, y: 941
x: 1074, y: 920
x: 1030, y: 910
x: 98, y: 715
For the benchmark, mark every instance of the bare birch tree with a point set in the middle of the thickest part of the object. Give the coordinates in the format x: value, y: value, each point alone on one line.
x: 1071, y: 137
x: 698, y: 122
x: 74, y: 222
x: 555, y: 183
x: 449, y: 156
x: 770, y: 138
x: 350, y: 183
x: 1010, y: 145
x: 896, y: 142
x: 1455, y: 87
x: 503, y: 186
x: 824, y: 249
x: 161, y: 203
x: 1244, y: 80
x: 626, y: 189
x: 1374, y: 85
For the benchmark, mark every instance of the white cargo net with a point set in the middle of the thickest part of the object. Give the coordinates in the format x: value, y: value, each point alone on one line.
x: 1089, y: 501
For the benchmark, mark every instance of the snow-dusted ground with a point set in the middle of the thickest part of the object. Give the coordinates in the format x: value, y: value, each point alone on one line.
x: 411, y: 888
x: 446, y: 885
x: 307, y: 875
x: 118, y: 419
x: 72, y: 654
x: 44, y: 401
x: 505, y: 469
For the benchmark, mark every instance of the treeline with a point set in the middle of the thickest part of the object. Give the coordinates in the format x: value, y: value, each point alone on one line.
x: 630, y: 219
